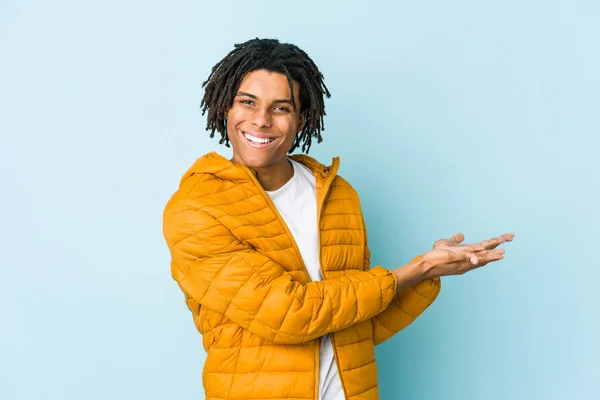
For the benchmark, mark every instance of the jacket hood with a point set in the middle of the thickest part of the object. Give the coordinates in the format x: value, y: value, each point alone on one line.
x: 215, y: 164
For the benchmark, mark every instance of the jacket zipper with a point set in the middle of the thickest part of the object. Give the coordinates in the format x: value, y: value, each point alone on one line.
x: 320, y: 203
x: 297, y: 249
x: 321, y: 194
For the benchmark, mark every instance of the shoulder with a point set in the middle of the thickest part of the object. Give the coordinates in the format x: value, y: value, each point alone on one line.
x: 196, y: 191
x: 201, y: 187
x: 341, y: 188
x: 206, y: 180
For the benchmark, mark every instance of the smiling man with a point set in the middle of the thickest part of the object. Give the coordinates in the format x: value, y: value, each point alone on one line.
x: 270, y: 249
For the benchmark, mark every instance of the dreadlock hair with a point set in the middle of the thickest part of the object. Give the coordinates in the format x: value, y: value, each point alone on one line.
x: 287, y: 59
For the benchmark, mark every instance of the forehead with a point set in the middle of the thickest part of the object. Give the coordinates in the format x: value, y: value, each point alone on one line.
x: 263, y: 83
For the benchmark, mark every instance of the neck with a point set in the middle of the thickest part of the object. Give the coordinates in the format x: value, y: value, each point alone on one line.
x: 274, y: 176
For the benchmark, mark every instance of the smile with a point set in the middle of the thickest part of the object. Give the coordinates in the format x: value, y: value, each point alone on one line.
x: 257, y: 141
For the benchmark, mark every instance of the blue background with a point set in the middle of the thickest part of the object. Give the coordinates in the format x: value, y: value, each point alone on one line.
x: 479, y: 117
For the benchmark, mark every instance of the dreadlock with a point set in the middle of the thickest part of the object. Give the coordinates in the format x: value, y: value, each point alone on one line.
x: 287, y: 59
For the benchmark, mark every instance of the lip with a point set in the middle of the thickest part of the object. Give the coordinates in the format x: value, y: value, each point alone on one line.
x: 260, y: 136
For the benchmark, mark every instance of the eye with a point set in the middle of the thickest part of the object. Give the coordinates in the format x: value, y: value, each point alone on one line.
x: 246, y: 102
x: 282, y: 109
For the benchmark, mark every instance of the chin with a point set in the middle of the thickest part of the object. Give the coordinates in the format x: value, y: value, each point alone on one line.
x: 254, y: 160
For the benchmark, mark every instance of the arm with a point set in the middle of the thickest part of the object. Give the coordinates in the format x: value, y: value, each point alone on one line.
x: 233, y: 279
x: 409, y: 302
x: 418, y: 282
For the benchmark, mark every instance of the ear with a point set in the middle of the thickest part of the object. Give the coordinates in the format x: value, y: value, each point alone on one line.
x: 302, y: 120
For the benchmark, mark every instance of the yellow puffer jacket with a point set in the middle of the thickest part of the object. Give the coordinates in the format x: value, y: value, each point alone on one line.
x: 252, y: 299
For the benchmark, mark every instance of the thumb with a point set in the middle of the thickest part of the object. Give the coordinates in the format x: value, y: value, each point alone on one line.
x: 458, y: 238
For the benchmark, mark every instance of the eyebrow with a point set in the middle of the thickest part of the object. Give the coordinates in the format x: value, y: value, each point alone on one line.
x: 256, y: 98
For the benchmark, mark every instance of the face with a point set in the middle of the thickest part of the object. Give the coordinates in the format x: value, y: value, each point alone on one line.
x: 261, y: 123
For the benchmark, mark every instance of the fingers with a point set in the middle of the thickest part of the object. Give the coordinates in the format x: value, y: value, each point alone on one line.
x: 453, y: 244
x: 488, y: 244
x: 490, y: 256
x: 442, y: 262
x: 461, y: 256
x: 497, y: 241
x: 477, y: 259
x: 472, y: 248
x: 458, y: 238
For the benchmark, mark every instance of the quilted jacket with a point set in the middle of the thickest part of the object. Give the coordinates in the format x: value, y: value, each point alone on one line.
x: 251, y: 297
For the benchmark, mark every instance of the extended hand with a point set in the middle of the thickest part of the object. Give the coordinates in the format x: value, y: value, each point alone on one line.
x: 449, y: 257
x: 454, y: 243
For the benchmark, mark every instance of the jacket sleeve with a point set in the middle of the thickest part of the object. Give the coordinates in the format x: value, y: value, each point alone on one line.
x: 229, y: 277
x: 406, y: 306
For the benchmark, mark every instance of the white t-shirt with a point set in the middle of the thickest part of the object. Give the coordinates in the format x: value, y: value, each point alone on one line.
x: 296, y: 201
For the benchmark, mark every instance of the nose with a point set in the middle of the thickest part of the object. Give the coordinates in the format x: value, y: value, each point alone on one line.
x: 261, y: 118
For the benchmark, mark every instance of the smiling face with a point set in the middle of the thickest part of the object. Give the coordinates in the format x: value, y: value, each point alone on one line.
x: 261, y: 122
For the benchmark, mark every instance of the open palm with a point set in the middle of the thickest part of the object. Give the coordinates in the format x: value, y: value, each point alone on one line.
x: 450, y: 257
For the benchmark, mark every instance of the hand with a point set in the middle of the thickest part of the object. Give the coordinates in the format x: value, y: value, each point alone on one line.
x: 454, y: 242
x: 449, y: 257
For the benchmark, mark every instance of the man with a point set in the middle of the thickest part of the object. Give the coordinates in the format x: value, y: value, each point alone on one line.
x: 271, y: 251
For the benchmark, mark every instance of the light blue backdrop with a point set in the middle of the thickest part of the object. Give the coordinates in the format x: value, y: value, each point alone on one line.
x: 472, y: 116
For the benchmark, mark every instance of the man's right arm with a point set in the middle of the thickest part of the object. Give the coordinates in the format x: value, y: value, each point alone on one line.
x: 229, y: 277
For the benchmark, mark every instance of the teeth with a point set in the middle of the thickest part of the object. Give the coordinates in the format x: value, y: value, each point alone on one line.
x: 257, y: 140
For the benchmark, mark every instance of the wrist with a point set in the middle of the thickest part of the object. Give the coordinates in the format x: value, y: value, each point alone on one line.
x: 411, y: 273
x: 425, y: 267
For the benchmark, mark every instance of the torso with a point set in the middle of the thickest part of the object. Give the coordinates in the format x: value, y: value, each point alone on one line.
x: 296, y: 201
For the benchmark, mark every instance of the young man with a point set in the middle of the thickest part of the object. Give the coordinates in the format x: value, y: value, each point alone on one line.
x: 271, y: 251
